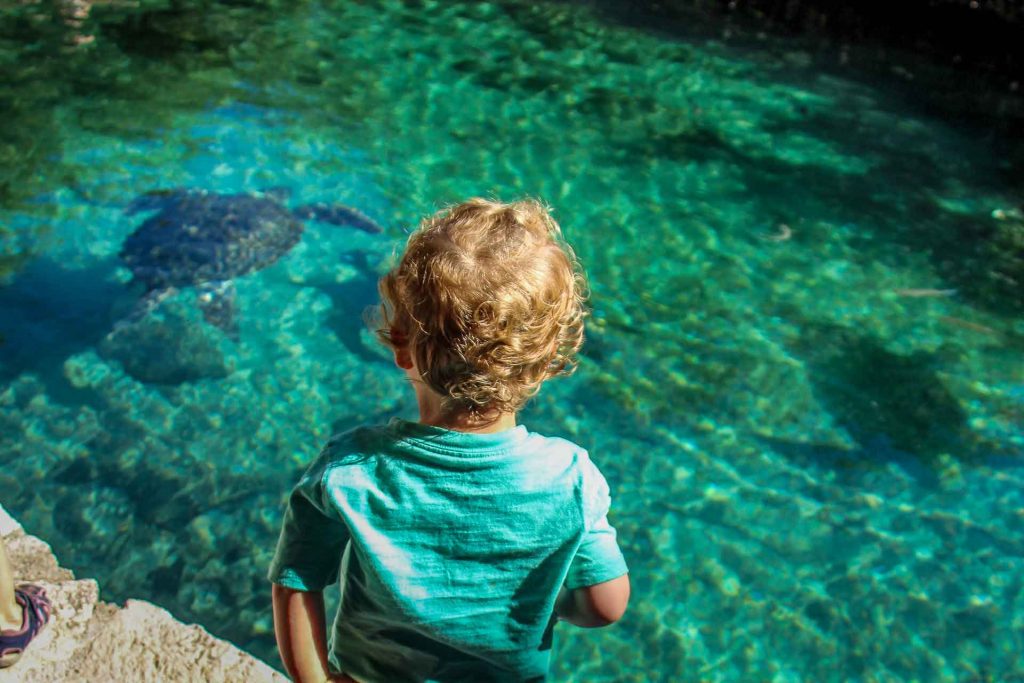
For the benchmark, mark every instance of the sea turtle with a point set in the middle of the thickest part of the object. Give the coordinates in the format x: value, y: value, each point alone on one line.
x: 206, y: 239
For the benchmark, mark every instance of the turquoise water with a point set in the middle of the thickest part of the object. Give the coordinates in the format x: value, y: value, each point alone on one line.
x: 803, y: 372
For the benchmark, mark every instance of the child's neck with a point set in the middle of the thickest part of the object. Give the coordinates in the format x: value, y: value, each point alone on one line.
x: 433, y: 414
x: 475, y: 426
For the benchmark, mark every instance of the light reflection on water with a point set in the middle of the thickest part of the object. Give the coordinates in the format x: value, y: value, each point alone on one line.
x: 816, y: 474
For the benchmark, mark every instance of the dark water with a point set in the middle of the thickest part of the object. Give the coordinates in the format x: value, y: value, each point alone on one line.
x: 803, y: 373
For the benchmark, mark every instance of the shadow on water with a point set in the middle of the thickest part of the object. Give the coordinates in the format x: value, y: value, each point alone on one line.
x: 49, y: 313
x: 979, y: 41
x: 899, y: 202
x: 28, y: 94
x: 350, y: 300
x: 171, y: 32
x: 895, y: 205
x: 892, y: 405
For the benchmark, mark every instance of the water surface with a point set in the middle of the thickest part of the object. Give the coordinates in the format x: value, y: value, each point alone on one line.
x: 803, y: 372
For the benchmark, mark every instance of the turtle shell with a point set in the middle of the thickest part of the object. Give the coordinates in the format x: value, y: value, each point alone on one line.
x: 202, y: 236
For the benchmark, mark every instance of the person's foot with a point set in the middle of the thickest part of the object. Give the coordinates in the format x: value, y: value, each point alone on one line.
x: 35, y: 613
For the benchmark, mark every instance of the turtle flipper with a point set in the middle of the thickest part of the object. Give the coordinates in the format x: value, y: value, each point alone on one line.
x: 216, y: 300
x: 337, y: 214
x: 143, y: 307
x: 148, y: 303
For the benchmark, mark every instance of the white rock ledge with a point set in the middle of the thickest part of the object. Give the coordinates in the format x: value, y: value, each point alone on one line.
x: 88, y: 640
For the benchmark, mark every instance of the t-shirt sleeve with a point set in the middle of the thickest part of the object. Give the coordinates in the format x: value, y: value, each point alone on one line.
x: 313, y: 536
x: 599, y: 558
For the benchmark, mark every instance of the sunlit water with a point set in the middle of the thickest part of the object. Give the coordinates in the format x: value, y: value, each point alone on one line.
x: 803, y: 372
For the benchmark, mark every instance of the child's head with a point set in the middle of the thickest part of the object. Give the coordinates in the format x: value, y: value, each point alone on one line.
x: 488, y: 302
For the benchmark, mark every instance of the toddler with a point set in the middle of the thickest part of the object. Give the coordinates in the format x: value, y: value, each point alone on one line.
x: 461, y: 538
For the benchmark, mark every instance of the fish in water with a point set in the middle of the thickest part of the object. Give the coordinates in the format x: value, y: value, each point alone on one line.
x: 925, y: 293
x: 968, y: 325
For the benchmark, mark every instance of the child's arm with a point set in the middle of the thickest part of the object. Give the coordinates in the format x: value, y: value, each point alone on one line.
x: 302, y: 636
x: 312, y: 540
x: 594, y: 606
x: 596, y: 590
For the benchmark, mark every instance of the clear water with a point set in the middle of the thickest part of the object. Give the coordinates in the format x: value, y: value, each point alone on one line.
x: 817, y: 474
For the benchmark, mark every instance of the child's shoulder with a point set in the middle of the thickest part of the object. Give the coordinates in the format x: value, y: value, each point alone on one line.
x: 356, y: 444
x: 560, y: 452
x: 559, y: 444
x: 569, y: 461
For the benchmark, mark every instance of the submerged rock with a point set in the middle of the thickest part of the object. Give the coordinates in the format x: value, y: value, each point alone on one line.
x: 167, y: 349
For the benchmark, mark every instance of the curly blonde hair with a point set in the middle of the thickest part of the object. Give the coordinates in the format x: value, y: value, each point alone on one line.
x: 489, y: 300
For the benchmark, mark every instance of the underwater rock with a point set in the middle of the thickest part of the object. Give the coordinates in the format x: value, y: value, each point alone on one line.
x: 99, y: 514
x: 166, y: 349
x: 85, y: 371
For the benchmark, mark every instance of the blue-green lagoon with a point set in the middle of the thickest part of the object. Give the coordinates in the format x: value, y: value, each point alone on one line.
x: 803, y: 376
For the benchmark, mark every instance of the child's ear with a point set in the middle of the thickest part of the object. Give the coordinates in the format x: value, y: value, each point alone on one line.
x: 400, y: 345
x: 403, y: 358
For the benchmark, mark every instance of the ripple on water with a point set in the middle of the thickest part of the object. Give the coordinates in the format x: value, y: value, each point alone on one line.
x: 815, y: 478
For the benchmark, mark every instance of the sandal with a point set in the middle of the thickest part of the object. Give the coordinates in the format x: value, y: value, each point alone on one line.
x: 35, y: 613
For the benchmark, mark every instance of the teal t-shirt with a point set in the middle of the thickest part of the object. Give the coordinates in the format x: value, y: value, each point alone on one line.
x: 451, y: 548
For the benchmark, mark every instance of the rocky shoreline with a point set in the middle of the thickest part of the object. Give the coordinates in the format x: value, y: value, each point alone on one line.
x: 91, y: 640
